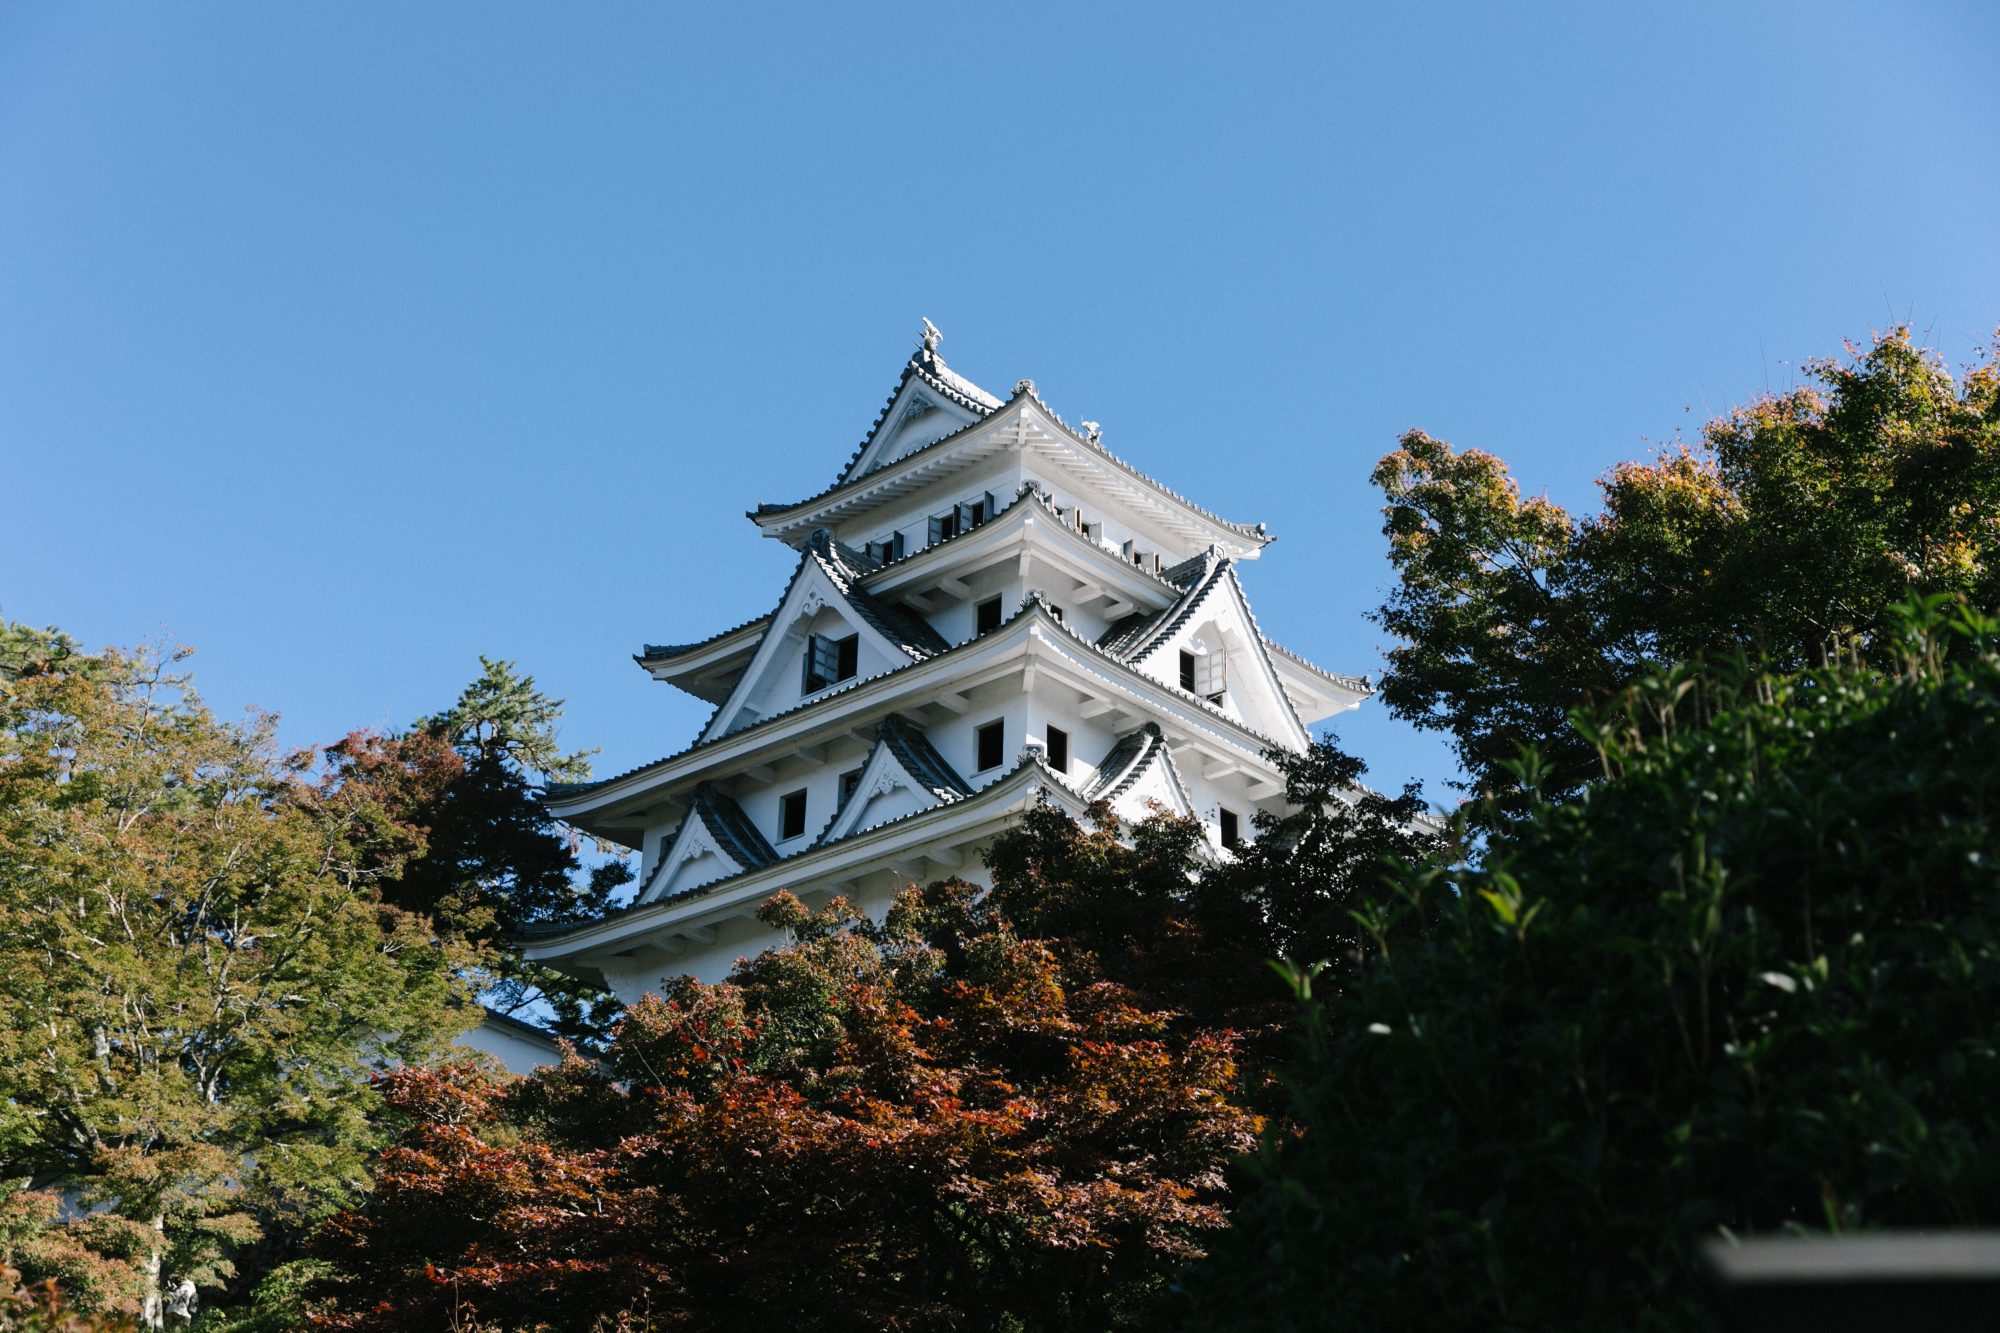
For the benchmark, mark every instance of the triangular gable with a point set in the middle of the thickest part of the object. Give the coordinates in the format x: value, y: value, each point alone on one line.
x: 822, y: 592
x: 1132, y: 637
x: 1138, y: 773
x: 1215, y: 616
x: 903, y: 774
x: 930, y: 402
x: 715, y: 841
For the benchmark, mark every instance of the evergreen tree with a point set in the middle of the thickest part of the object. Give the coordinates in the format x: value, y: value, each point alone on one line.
x: 494, y: 861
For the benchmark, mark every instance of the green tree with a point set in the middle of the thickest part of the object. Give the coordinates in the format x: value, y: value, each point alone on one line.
x: 494, y: 861
x: 1154, y: 910
x: 197, y: 976
x: 1789, y: 533
x: 1743, y: 984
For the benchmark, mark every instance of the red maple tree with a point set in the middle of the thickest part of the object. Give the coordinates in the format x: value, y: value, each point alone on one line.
x: 932, y: 1123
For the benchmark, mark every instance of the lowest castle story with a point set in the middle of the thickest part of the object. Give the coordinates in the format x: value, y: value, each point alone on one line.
x: 989, y: 610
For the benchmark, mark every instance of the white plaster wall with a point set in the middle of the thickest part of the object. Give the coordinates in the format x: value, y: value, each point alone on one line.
x: 911, y: 515
x: 519, y: 1052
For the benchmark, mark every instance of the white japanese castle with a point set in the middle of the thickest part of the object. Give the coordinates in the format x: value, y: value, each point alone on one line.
x: 990, y: 609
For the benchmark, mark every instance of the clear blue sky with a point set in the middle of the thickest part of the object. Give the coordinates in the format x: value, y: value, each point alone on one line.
x: 347, y: 342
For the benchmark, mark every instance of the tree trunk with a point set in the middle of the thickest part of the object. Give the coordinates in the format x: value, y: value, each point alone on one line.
x: 152, y: 1310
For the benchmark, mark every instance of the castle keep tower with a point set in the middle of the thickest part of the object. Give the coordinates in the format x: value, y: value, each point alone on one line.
x: 989, y: 609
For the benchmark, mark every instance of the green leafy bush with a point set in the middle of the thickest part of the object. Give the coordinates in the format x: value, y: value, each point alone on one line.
x: 1746, y: 982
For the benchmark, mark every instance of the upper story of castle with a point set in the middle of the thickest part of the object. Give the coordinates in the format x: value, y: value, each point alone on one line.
x: 973, y: 551
x: 945, y: 454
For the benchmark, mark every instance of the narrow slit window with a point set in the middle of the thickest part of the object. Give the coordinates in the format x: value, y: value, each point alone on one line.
x: 1058, y: 750
x: 1232, y: 830
x: 850, y: 782
x: 992, y: 740
x: 1187, y: 671
x: 792, y: 815
x: 987, y: 615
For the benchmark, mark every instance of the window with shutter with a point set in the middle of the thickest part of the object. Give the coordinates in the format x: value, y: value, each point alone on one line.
x: 1187, y: 671
x: 1211, y: 676
x: 830, y: 660
x: 822, y: 662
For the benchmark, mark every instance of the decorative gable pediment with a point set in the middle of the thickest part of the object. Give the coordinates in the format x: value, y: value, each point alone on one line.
x: 931, y: 401
x: 902, y: 775
x: 1139, y: 776
x: 715, y: 841
x: 825, y: 632
x: 1208, y: 644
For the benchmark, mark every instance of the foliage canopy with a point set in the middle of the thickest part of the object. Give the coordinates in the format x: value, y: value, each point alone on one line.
x: 1743, y: 982
x: 1788, y: 534
x: 197, y: 976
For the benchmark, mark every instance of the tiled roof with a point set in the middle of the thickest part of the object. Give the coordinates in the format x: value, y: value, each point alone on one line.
x: 1132, y: 635
x: 737, y: 837
x: 1028, y: 606
x: 1253, y: 531
x: 920, y: 759
x: 1359, y: 684
x: 545, y: 932
x: 845, y: 566
x: 924, y: 364
x: 660, y: 652
x: 1126, y: 764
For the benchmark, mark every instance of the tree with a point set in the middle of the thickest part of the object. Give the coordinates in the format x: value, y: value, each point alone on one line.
x: 494, y: 861
x: 1788, y: 534
x: 934, y: 1123
x: 196, y: 977
x: 1744, y: 983
x: 1152, y: 909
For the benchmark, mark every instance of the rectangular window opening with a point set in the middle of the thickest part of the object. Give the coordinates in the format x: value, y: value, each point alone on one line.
x: 1232, y: 830
x: 1058, y: 750
x: 1211, y: 676
x: 830, y: 660
x: 850, y: 782
x: 1187, y: 671
x: 992, y: 739
x: 987, y: 616
x: 792, y: 815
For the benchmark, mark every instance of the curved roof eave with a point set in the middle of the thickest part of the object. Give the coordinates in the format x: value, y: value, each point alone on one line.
x: 774, y: 516
x: 1034, y: 606
x: 1030, y: 772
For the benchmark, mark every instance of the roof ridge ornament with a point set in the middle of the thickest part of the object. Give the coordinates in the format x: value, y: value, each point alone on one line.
x: 1093, y: 432
x: 930, y: 339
